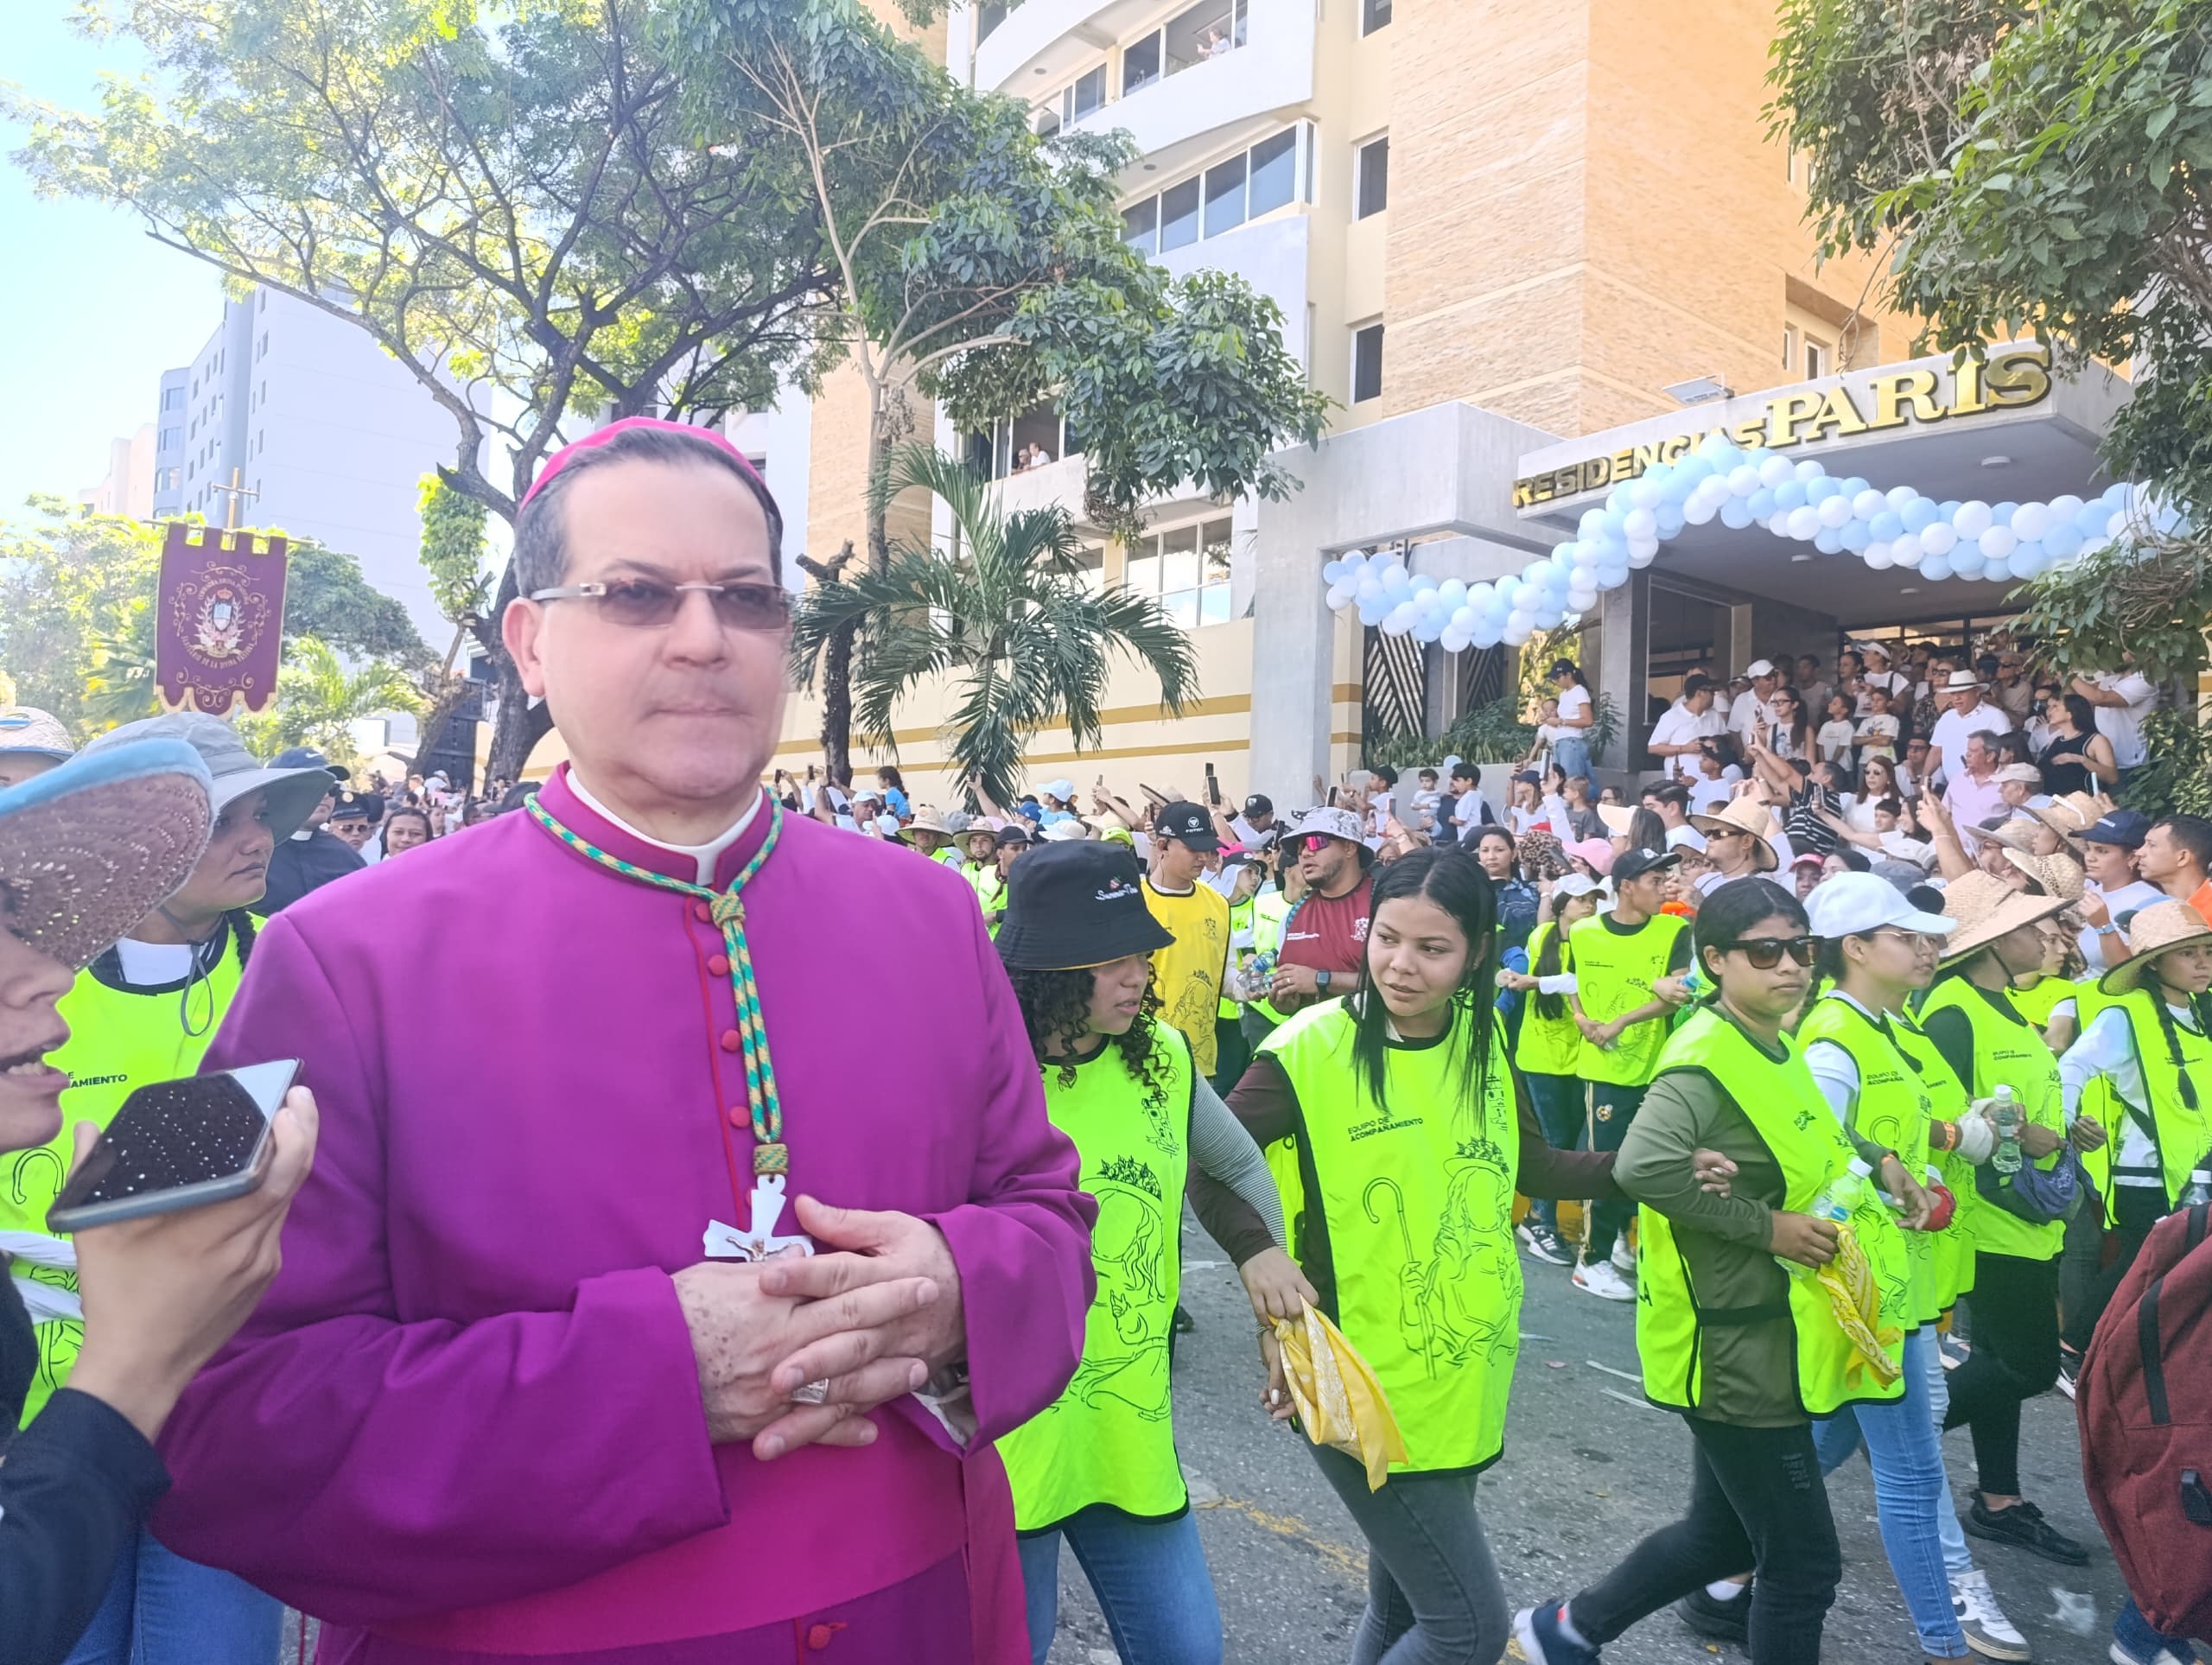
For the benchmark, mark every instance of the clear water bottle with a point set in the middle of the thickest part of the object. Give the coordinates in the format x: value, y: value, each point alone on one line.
x: 2009, y: 1119
x: 1834, y: 1202
x: 2200, y: 1188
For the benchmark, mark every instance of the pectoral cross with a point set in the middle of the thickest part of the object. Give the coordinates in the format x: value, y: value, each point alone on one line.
x: 728, y: 1243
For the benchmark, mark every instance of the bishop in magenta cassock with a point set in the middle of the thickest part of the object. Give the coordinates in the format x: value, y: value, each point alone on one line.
x: 494, y: 1406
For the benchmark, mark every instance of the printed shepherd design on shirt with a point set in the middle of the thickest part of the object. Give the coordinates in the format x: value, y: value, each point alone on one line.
x: 1129, y: 1247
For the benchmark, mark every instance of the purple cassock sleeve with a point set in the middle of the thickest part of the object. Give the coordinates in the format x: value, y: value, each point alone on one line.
x: 1022, y: 1240
x: 363, y: 1468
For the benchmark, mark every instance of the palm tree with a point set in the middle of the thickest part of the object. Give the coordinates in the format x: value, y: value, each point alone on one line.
x: 318, y: 700
x: 1006, y: 618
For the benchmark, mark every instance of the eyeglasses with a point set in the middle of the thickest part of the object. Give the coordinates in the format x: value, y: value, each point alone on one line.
x: 1765, y: 952
x: 649, y: 604
x: 1314, y: 844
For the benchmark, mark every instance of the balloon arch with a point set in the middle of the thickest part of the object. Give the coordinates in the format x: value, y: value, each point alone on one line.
x: 1799, y: 501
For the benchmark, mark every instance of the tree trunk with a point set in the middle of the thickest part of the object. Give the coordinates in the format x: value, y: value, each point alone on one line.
x: 520, y: 726
x: 837, y: 674
x: 430, y: 733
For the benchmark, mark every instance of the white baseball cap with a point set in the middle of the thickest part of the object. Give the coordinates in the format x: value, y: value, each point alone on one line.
x: 1852, y: 903
x: 1758, y: 668
x: 1577, y: 884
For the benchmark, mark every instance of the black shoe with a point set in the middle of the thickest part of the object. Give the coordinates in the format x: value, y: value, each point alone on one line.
x: 1185, y: 1323
x: 2023, y: 1527
x: 2069, y: 1366
x: 1724, y: 1621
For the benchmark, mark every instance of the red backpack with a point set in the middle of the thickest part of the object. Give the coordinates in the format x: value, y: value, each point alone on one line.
x: 2145, y: 1401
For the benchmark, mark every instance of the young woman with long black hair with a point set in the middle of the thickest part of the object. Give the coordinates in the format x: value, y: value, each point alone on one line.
x: 1753, y: 1356
x: 1098, y: 1467
x: 1549, y: 1041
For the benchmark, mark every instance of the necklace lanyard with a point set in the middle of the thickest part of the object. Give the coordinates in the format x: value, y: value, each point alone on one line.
x: 770, y: 1155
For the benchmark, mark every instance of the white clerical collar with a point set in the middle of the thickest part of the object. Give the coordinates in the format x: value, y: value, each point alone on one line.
x: 706, y: 855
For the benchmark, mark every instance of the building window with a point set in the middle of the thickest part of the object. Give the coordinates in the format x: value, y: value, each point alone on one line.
x: 176, y: 479
x: 1246, y: 186
x: 1186, y: 571
x: 1086, y: 93
x: 1039, y: 436
x: 1367, y: 363
x: 1371, y: 186
x: 1090, y: 568
x: 1373, y: 15
x: 1789, y: 348
x: 262, y: 352
x: 1206, y: 30
x: 171, y: 438
x: 172, y: 398
x: 988, y: 16
x: 1819, y: 359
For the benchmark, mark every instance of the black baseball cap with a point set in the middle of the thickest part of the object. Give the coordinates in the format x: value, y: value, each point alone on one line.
x: 1258, y: 804
x: 1074, y: 904
x: 1013, y: 833
x: 306, y: 756
x: 1188, y: 824
x: 1634, y: 864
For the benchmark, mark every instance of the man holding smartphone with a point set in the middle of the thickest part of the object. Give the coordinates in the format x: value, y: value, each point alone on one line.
x: 86, y: 851
x: 615, y: 1323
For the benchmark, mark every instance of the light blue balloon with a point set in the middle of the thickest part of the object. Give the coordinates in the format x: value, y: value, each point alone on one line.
x: 1613, y: 528
x: 1332, y: 571
x: 2093, y: 519
x: 1761, y: 502
x: 1818, y: 492
x: 1423, y: 583
x: 1935, y: 568
x: 1593, y: 523
x: 1486, y: 634
x: 2031, y: 558
x: 1371, y: 614
x: 1791, y: 495
x: 1551, y: 615
x: 1998, y: 572
x: 2062, y: 543
x: 1828, y: 540
x: 1967, y: 560
x: 1920, y: 514
x: 1397, y: 581
x: 1948, y: 509
x: 2001, y: 514
x: 1670, y: 520
x: 1887, y: 526
x: 1692, y: 468
x: 1736, y: 513
x: 1855, y: 536
x: 1856, y: 484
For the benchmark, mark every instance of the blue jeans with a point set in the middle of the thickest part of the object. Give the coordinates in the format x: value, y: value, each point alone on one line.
x: 2136, y: 1634
x: 1151, y: 1581
x: 1948, y: 1530
x: 160, y: 1609
x: 1557, y: 1101
x: 1911, y: 1492
x: 1573, y: 757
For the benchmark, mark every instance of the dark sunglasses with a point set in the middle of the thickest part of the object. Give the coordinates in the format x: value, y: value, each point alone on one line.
x: 1315, y: 842
x: 649, y: 604
x: 1765, y: 952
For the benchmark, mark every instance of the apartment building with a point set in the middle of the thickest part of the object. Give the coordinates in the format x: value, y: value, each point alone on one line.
x: 127, y: 488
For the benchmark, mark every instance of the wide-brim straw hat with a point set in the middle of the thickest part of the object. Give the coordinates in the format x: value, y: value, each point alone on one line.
x: 90, y: 849
x: 2058, y: 876
x: 2069, y: 817
x: 1987, y: 908
x: 2010, y: 834
x: 927, y: 820
x: 1617, y: 818
x: 1743, y: 815
x: 2159, y: 929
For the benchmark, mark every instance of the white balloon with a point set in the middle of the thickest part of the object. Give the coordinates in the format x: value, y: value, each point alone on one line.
x: 1940, y: 538
x: 2031, y: 521
x: 1640, y: 558
x: 1647, y: 493
x: 1803, y: 523
x: 1640, y: 522
x: 1339, y: 596
x: 1900, y: 497
x: 1369, y: 589
x: 1699, y: 511
x: 1519, y: 620
x: 1773, y: 470
x: 1527, y: 598
x: 1998, y: 542
x: 1581, y: 600
x: 1643, y: 547
x: 1906, y: 550
x: 1778, y: 523
x: 1971, y: 520
x: 1835, y: 511
x: 1868, y: 504
x: 1878, y: 557
x: 1743, y: 479
x: 1809, y: 471
x: 1454, y: 641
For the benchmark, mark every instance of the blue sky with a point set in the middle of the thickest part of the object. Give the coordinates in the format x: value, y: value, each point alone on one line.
x: 95, y: 310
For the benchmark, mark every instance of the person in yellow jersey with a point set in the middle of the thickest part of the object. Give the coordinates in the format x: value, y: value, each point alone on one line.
x: 1097, y: 1468
x: 1885, y: 1082
x: 1549, y: 1045
x: 1746, y: 1352
x: 143, y: 1011
x: 1628, y: 984
x: 2143, y: 1066
x: 2013, y: 1209
x: 1187, y: 970
x: 1238, y: 878
x: 1409, y: 1137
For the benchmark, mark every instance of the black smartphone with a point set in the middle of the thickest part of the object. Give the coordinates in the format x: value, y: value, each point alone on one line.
x: 177, y: 1145
x: 1213, y: 788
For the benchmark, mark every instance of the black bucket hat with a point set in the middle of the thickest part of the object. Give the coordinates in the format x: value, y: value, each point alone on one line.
x: 1078, y: 903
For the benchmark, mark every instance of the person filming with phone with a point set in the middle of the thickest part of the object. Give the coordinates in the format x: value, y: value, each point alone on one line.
x: 87, y: 851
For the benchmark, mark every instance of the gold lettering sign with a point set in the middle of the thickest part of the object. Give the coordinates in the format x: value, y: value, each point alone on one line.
x: 2010, y: 378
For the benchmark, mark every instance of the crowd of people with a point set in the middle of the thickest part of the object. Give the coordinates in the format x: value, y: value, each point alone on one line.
x: 606, y: 1332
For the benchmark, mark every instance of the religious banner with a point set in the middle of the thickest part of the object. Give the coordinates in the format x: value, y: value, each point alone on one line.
x: 218, y: 618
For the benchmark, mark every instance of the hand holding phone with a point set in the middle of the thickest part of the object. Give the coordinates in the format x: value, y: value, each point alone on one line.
x: 177, y: 1144
x: 163, y: 1291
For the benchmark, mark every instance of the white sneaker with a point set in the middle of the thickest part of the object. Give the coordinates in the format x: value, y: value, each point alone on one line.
x: 1623, y: 1258
x: 1989, y: 1632
x: 1598, y: 1278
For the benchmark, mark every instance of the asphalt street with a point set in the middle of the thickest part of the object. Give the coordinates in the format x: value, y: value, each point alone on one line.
x: 1588, y: 1468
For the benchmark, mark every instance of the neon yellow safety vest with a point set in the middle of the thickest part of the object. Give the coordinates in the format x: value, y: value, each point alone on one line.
x: 1613, y: 974
x: 1548, y: 1046
x: 2007, y: 1048
x: 2098, y: 1102
x: 2182, y: 1135
x: 1417, y: 1203
x: 1271, y: 912
x: 120, y: 1039
x: 1808, y: 1143
x: 1243, y: 944
x: 1896, y: 1101
x: 1954, y: 1243
x: 1110, y: 1438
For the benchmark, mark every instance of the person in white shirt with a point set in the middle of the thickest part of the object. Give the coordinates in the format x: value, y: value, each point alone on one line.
x: 1577, y: 715
x: 1876, y: 735
x: 1690, y: 719
x: 2114, y: 888
x: 1753, y: 709
x: 2020, y: 787
x: 2123, y: 699
x: 1973, y: 794
x: 1969, y: 715
x: 1670, y: 801
x: 1879, y: 674
x: 1838, y: 739
x: 1811, y: 688
x: 1715, y: 781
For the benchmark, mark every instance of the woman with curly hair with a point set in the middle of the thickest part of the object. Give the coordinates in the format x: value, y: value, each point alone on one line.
x: 1098, y: 1467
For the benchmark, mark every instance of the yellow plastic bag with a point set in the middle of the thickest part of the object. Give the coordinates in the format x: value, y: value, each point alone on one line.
x: 1856, y: 1301
x: 1339, y: 1400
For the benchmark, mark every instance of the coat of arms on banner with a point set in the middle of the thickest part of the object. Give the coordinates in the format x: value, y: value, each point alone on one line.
x: 219, y: 618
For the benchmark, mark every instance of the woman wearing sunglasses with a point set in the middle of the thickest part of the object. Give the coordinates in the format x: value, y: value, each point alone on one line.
x: 1754, y: 1353
x: 1886, y: 1081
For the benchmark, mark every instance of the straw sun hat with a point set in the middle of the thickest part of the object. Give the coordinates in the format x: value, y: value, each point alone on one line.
x: 92, y: 848
x: 1744, y: 815
x: 1986, y: 908
x: 2058, y: 876
x: 2069, y: 817
x: 2159, y: 929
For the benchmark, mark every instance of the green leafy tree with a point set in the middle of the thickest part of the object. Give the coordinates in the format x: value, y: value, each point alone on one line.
x: 77, y: 594
x: 972, y: 264
x: 1006, y: 621
x: 501, y: 193
x: 318, y: 699
x: 2040, y: 168
x: 453, y: 555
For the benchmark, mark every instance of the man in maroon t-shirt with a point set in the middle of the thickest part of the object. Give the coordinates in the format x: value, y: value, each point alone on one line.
x: 1325, y: 942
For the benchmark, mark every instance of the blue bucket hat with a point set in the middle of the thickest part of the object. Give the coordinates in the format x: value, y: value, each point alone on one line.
x: 90, y: 849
